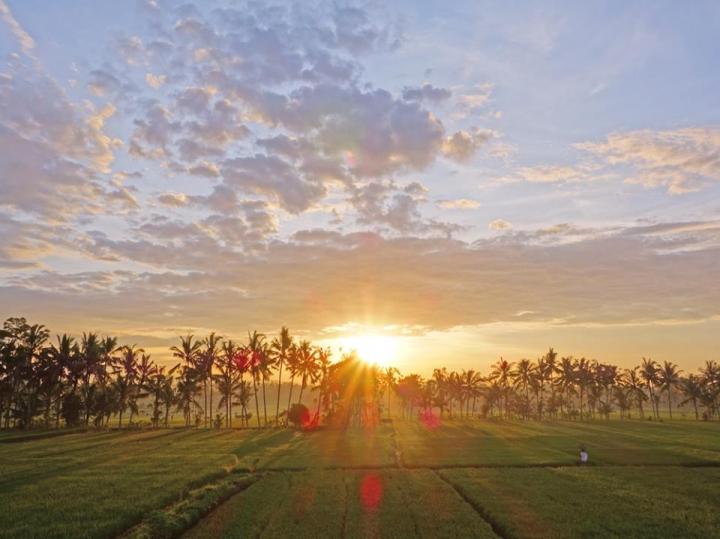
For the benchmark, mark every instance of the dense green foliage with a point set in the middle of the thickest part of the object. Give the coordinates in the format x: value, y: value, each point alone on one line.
x: 216, y: 380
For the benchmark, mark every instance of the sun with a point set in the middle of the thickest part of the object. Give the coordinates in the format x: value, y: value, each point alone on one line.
x: 379, y: 350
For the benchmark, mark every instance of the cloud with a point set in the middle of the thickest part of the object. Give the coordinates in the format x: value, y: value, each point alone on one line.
x: 499, y: 224
x: 155, y: 81
x: 177, y: 200
x: 472, y: 101
x: 462, y: 145
x: 435, y: 283
x: 458, y: 204
x: 426, y: 92
x: 550, y: 174
x: 680, y: 160
x: 27, y: 44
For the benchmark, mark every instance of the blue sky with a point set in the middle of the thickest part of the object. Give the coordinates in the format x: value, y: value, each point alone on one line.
x: 503, y: 175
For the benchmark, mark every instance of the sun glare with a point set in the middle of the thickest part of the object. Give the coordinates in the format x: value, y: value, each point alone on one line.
x: 380, y: 350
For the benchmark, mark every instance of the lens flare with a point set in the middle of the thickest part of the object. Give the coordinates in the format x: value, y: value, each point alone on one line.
x: 371, y: 491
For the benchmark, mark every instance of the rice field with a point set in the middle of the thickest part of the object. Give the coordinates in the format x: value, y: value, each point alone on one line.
x: 403, y: 479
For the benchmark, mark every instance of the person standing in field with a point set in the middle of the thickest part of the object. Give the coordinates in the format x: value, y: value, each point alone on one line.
x: 583, y: 456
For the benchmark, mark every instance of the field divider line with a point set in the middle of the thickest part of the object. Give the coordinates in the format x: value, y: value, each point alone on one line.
x: 440, y: 467
x: 497, y: 528
x: 229, y: 484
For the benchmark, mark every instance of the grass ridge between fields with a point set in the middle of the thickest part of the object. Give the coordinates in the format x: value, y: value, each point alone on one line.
x: 483, y: 513
x: 175, y: 519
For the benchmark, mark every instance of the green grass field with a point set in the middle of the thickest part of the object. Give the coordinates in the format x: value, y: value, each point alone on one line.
x: 463, y: 479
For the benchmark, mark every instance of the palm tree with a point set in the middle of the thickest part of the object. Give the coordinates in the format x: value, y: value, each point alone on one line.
x: 189, y: 352
x: 281, y: 347
x: 324, y: 387
x: 501, y: 374
x: 388, y: 379
x: 293, y: 364
x: 159, y: 385
x: 439, y: 378
x: 632, y: 380
x: 668, y: 378
x: 265, y: 367
x: 711, y: 386
x: 692, y: 389
x: 126, y: 374
x: 243, y: 395
x: 186, y: 391
x: 649, y: 373
x: 566, y: 380
x: 256, y: 349
x: 228, y: 378
x: 144, y: 368
x: 209, y: 356
x: 583, y: 377
x: 308, y: 368
x: 548, y: 371
x: 522, y: 376
x: 91, y: 357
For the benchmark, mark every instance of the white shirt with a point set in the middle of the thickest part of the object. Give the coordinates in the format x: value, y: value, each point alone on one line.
x: 583, y: 456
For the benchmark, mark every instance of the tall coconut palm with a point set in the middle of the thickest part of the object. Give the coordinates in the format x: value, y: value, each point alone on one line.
x: 439, y: 378
x: 583, y: 377
x: 692, y: 388
x: 126, y: 371
x: 324, y: 387
x: 632, y: 380
x: 281, y: 347
x: 522, y: 376
x: 228, y: 378
x: 711, y: 386
x: 256, y: 350
x: 500, y: 373
x: 187, y: 390
x: 293, y: 364
x: 388, y: 379
x: 668, y: 378
x: 267, y: 363
x: 209, y: 357
x: 566, y: 380
x: 649, y: 373
x: 189, y: 352
x: 473, y: 383
x: 308, y: 369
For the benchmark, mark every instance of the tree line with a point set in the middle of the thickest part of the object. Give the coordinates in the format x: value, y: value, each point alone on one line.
x: 562, y: 388
x: 93, y: 380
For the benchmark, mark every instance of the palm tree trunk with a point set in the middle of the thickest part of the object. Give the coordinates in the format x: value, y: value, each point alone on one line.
x: 277, y: 404
x: 205, y: 411
x: 292, y: 386
x: 302, y: 388
x: 257, y: 405
x: 211, y: 400
x: 669, y: 403
x: 264, y: 400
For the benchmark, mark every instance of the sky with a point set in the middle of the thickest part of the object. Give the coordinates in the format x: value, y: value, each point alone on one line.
x: 466, y: 180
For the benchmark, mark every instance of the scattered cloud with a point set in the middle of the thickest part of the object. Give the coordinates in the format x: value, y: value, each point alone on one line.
x: 459, y: 204
x: 499, y: 224
x: 462, y: 145
x: 680, y: 160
